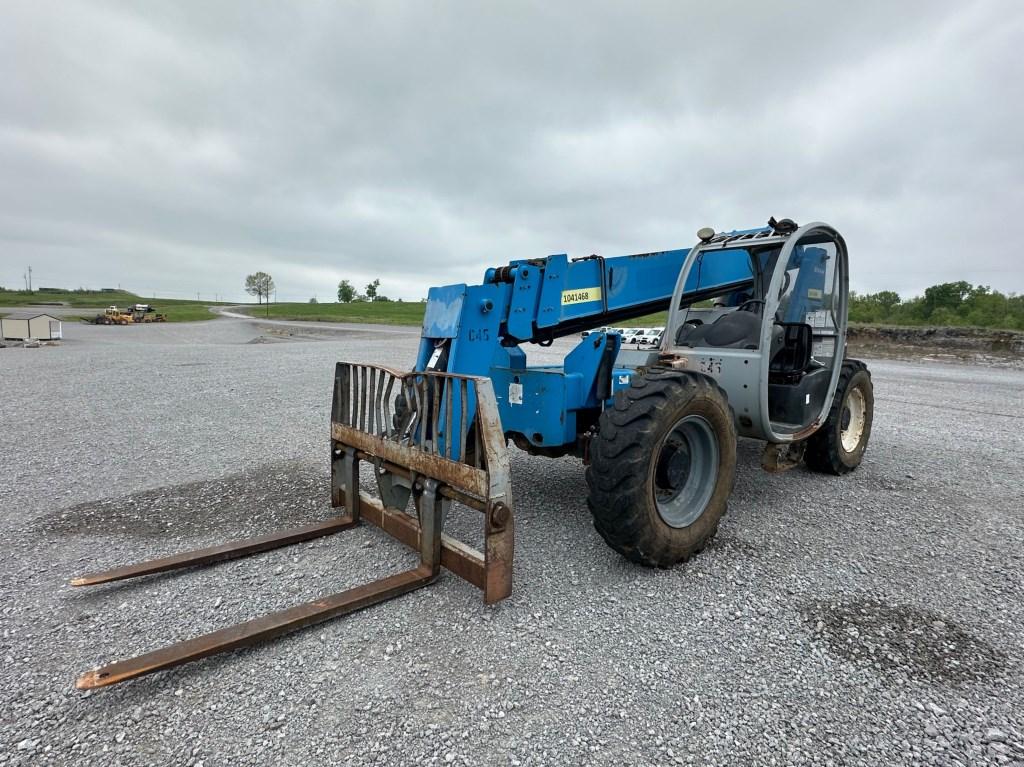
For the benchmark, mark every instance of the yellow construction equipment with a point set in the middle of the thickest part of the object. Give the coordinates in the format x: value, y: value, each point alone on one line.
x: 139, y: 313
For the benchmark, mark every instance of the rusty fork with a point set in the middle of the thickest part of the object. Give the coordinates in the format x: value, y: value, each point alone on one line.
x: 220, y: 553
x: 433, y: 509
x: 425, y: 457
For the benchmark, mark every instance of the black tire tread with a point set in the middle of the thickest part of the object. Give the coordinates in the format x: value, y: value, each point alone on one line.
x: 617, y: 474
x: 822, y: 454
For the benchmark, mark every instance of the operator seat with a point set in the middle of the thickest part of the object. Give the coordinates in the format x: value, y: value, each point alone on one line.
x: 735, y: 330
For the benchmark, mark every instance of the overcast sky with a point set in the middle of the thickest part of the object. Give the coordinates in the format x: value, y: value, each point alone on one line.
x: 173, y: 148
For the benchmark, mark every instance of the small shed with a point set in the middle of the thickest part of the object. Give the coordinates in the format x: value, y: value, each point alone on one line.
x: 22, y: 325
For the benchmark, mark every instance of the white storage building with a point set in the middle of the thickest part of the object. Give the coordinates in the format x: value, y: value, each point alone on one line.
x: 22, y: 325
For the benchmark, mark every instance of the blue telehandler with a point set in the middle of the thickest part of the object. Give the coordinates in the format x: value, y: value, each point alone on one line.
x: 754, y: 346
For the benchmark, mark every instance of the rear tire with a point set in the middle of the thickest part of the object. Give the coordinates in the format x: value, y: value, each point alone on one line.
x: 662, y: 467
x: 838, y: 446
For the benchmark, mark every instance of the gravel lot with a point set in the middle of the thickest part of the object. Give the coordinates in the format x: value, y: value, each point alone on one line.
x: 873, y: 619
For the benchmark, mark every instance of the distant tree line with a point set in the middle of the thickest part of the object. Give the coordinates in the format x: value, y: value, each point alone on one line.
x: 347, y: 293
x: 948, y: 304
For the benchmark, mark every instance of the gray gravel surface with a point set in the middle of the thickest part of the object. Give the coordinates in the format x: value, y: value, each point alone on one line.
x: 872, y: 619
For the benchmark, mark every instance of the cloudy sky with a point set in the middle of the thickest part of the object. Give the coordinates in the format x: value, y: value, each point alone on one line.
x: 172, y: 148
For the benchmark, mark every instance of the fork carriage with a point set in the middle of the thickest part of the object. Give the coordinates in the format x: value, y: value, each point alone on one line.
x: 432, y: 439
x: 435, y: 438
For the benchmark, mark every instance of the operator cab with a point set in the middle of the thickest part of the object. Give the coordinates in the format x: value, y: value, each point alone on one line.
x: 763, y: 312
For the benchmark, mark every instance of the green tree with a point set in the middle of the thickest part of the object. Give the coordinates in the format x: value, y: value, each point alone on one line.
x: 874, y: 307
x: 371, y: 290
x: 948, y: 295
x: 945, y: 317
x: 950, y: 303
x: 346, y: 293
x: 886, y: 300
x: 260, y: 285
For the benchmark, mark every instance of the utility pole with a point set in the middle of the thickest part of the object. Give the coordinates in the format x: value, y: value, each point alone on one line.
x: 30, y: 279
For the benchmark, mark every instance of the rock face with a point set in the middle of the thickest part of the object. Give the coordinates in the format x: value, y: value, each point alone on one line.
x: 960, y: 342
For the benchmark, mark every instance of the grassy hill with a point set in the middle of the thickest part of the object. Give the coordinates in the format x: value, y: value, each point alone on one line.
x: 380, y: 312
x: 93, y: 301
x: 185, y: 310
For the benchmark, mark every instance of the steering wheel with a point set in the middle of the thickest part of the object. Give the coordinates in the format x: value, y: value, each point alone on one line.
x: 743, y: 307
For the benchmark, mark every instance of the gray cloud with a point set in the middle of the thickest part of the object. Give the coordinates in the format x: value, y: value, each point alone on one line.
x: 174, y: 148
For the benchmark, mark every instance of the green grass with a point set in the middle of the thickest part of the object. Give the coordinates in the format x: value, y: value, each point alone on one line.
x: 84, y: 298
x: 380, y: 313
x: 384, y: 313
x: 185, y: 312
x: 176, y: 309
x: 656, y: 320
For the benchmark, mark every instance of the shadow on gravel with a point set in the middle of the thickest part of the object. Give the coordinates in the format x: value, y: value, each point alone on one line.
x: 263, y: 499
x: 898, y: 638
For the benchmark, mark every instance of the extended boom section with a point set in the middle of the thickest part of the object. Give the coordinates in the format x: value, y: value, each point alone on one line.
x: 553, y: 409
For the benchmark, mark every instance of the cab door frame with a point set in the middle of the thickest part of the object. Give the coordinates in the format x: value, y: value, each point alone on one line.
x: 809, y: 234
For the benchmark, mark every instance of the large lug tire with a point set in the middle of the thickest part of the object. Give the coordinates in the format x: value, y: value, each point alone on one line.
x: 838, y: 446
x: 662, y: 467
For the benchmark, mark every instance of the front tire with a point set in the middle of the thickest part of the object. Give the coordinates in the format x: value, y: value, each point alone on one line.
x: 838, y: 446
x: 662, y: 467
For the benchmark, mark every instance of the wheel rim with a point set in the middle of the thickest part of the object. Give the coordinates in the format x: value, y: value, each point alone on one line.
x: 854, y: 420
x: 686, y: 471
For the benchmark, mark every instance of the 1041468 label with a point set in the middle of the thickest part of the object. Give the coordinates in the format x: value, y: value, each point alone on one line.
x: 581, y: 295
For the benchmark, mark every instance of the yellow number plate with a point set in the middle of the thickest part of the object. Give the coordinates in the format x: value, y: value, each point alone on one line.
x: 581, y: 296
